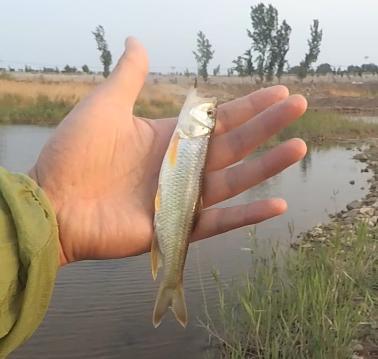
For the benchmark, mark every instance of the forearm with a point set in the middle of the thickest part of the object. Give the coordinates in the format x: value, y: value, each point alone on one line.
x: 29, y: 258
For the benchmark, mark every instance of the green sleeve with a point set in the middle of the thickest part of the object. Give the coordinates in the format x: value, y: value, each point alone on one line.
x: 29, y: 258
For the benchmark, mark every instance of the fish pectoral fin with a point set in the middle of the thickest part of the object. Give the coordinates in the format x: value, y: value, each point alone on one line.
x: 170, y: 297
x: 156, y: 257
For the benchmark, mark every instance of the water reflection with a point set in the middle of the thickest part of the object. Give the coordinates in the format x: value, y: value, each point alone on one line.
x: 305, y: 163
x: 102, y: 309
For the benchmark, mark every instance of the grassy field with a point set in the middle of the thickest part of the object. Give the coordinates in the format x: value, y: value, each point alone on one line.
x: 321, y: 304
x: 323, y: 126
x: 47, y: 102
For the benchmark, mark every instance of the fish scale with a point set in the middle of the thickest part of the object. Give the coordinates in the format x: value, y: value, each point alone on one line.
x: 178, y: 201
x: 174, y: 223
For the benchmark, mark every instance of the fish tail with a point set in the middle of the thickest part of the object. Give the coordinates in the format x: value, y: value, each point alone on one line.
x: 173, y: 298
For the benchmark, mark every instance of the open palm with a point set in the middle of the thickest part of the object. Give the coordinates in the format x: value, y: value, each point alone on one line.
x: 100, y: 168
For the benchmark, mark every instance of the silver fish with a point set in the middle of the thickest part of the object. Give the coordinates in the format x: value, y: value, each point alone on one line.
x: 178, y: 202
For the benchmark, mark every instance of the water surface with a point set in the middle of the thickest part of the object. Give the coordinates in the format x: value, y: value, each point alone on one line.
x: 102, y: 309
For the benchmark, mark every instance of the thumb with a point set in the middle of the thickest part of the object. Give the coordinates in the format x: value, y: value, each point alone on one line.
x: 128, y: 77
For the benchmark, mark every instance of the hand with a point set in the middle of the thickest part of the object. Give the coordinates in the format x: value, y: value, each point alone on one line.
x: 100, y: 168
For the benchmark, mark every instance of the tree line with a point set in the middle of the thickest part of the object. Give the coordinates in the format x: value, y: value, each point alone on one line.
x: 269, y: 45
x: 265, y: 57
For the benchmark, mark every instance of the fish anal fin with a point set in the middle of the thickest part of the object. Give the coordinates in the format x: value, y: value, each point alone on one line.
x: 156, y: 257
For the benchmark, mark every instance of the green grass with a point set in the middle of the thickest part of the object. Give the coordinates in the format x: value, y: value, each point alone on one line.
x: 313, y: 306
x: 41, y: 110
x: 17, y: 109
x: 313, y: 127
x: 318, y: 127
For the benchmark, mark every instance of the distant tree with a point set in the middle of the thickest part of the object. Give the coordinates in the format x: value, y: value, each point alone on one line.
x: 187, y: 72
x: 369, y: 68
x: 294, y: 70
x: 239, y: 67
x: 102, y: 46
x: 50, y: 70
x: 340, y: 72
x: 230, y: 72
x: 282, y: 40
x: 216, y: 70
x: 264, y: 25
x: 85, y: 69
x: 313, y: 49
x: 203, y: 55
x: 69, y: 70
x: 324, y: 69
x: 248, y: 60
x: 244, y: 64
x: 353, y: 70
x: 270, y: 42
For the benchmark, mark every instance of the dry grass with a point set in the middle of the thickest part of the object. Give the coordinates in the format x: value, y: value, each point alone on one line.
x: 30, y: 90
x: 161, y: 97
x: 49, y: 102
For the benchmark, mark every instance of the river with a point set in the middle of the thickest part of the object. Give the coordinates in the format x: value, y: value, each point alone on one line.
x: 102, y: 309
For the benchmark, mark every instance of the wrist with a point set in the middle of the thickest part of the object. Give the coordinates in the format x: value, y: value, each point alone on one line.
x: 33, y: 174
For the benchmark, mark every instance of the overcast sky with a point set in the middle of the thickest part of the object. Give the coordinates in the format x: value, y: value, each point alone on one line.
x: 55, y: 33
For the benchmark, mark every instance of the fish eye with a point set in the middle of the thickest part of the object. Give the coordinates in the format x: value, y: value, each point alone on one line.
x: 211, y: 113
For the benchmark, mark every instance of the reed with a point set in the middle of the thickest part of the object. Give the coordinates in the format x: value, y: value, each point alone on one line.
x: 315, y: 305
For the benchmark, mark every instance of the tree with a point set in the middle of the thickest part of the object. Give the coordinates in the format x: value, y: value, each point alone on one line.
x: 244, y: 64
x: 354, y: 70
x: 282, y: 40
x: 249, y: 69
x: 270, y: 42
x: 369, y: 68
x: 102, y: 46
x: 264, y: 24
x: 203, y: 55
x: 324, y: 69
x: 50, y: 70
x: 239, y: 66
x: 313, y: 49
x: 69, y: 70
x: 85, y: 69
x: 294, y: 70
x: 216, y: 70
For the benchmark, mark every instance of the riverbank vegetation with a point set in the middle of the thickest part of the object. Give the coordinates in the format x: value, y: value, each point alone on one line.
x: 324, y: 126
x: 48, y: 102
x: 321, y: 303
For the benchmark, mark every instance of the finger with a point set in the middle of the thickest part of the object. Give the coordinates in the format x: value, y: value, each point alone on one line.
x: 238, y: 143
x: 229, y: 182
x: 127, y: 79
x: 232, y: 114
x: 219, y: 220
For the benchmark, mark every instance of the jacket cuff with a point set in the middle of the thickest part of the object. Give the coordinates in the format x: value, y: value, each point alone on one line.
x: 29, y: 258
